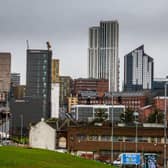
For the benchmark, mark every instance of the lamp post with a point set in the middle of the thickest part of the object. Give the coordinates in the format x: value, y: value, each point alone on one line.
x: 165, y: 127
x: 21, y: 127
x: 136, y: 114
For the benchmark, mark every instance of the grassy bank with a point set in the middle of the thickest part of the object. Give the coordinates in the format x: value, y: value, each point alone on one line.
x: 17, y: 157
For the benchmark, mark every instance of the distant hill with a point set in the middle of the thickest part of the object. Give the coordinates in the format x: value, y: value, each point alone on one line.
x: 17, y: 157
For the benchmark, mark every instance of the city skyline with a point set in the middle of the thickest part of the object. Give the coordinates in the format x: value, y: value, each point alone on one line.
x: 65, y: 25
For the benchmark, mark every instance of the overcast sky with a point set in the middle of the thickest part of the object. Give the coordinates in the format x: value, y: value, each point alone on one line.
x: 65, y: 24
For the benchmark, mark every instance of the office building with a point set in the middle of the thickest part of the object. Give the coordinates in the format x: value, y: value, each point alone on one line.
x: 138, y: 70
x: 38, y: 78
x: 5, y: 71
x: 103, y: 53
x: 15, y: 79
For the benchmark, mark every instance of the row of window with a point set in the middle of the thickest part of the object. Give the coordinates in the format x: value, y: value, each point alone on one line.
x: 108, y: 138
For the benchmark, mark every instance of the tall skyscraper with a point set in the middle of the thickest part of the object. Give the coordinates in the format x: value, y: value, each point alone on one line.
x: 138, y: 70
x: 5, y: 71
x: 103, y: 53
x: 39, y: 78
x: 15, y: 79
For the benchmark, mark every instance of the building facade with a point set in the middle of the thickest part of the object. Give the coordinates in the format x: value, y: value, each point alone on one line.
x: 38, y: 78
x: 95, y: 142
x: 159, y: 86
x: 55, y: 84
x: 5, y: 71
x: 131, y: 100
x: 103, y: 53
x: 90, y: 84
x: 72, y: 101
x: 43, y: 136
x: 19, y: 92
x: 89, y: 113
x: 160, y: 102
x: 15, y: 79
x: 55, y: 71
x: 138, y: 70
x: 65, y: 90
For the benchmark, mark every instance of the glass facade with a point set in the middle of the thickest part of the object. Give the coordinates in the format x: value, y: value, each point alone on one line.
x: 39, y: 78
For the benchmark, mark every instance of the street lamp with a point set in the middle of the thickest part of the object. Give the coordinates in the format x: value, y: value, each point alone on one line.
x: 165, y: 127
x: 21, y: 127
x: 136, y: 114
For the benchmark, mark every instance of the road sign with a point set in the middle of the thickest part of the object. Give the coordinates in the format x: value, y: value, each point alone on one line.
x: 130, y: 158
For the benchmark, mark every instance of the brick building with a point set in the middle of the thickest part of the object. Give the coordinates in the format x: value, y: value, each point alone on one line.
x: 131, y: 100
x: 96, y: 141
x: 159, y: 102
x: 144, y: 113
x: 88, y: 84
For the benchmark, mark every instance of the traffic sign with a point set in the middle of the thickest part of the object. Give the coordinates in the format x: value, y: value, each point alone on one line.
x: 130, y: 158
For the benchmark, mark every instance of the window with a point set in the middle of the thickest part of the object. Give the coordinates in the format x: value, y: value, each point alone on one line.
x: 81, y: 137
x: 105, y: 138
x: 93, y: 138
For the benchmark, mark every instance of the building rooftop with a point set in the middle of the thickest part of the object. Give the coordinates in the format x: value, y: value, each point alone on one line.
x: 122, y: 94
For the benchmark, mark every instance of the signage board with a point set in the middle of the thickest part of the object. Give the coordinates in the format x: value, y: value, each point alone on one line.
x: 130, y: 158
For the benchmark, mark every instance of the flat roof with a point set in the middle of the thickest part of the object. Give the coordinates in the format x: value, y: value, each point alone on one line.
x: 99, y: 106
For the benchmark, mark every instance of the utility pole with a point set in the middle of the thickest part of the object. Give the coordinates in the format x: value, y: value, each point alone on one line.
x: 136, y: 114
x: 21, y: 127
x: 165, y: 127
x: 112, y: 130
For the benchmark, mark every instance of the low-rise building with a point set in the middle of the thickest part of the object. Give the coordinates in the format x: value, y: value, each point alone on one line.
x: 101, y: 143
x: 42, y: 135
x: 91, y: 112
x: 49, y: 135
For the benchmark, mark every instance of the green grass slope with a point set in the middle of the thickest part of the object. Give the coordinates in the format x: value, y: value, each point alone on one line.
x: 16, y: 157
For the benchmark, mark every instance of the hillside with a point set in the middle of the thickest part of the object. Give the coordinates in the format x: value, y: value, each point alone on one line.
x: 16, y: 157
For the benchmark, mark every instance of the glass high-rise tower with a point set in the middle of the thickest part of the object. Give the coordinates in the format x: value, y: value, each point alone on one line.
x: 38, y: 79
x: 138, y: 70
x: 103, y: 53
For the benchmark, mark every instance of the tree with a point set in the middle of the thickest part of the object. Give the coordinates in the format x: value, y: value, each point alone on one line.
x: 156, y: 117
x: 100, y: 114
x: 127, y: 117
